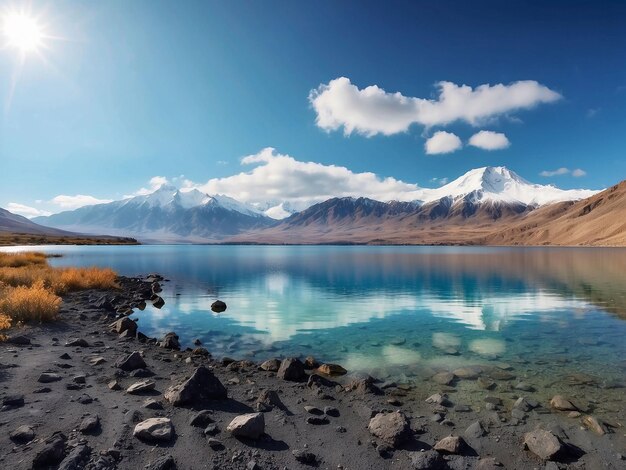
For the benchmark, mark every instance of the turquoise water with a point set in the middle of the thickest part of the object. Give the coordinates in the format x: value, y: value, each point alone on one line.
x: 397, y: 312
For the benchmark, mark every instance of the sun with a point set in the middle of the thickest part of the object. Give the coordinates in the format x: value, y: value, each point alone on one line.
x: 22, y: 32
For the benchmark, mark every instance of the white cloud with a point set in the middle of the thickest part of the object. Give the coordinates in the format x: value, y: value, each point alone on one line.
x: 66, y: 202
x: 489, y: 140
x: 372, y: 110
x: 440, y: 181
x: 155, y: 183
x: 442, y: 142
x: 577, y: 173
x: 26, y: 211
x: 284, y: 179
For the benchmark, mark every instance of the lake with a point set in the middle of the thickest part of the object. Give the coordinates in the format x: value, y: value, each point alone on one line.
x: 554, y: 316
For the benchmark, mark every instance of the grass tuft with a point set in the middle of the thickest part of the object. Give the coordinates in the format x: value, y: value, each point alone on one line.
x: 34, y: 303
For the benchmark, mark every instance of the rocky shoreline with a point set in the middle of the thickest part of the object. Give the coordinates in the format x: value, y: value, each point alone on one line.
x: 91, y: 391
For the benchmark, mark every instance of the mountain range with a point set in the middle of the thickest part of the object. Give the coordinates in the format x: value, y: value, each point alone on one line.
x: 490, y: 205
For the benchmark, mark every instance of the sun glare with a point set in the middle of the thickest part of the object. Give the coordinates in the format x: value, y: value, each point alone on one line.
x: 22, y: 32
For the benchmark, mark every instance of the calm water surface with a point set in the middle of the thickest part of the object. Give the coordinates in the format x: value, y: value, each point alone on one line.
x: 396, y: 312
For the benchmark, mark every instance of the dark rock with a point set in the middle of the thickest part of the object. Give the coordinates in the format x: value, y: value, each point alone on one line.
x: 202, y: 385
x: 392, y: 428
x: 291, y: 369
x: 65, y: 356
x: 158, y: 301
x: 141, y: 373
x: 124, y: 324
x: 313, y: 410
x: 14, y: 401
x: 42, y: 390
x: 311, y: 363
x: 211, y: 430
x: 331, y: 411
x: 201, y: 419
x: 364, y: 386
x: 22, y: 434
x: 170, y: 341
x: 270, y: 399
x: 317, y: 382
x: 78, y: 342
x: 317, y: 420
x: 76, y: 459
x: 428, y: 460
x: 48, y: 377
x: 166, y: 462
x: 18, y: 340
x: 218, y: 306
x: 215, y: 443
x: 152, y: 404
x: 89, y: 424
x: 51, y: 452
x: 84, y: 399
x: 304, y: 456
x: 131, y: 362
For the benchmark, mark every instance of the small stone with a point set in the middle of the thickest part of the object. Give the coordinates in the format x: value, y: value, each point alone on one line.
x: 543, y: 443
x: 594, y: 424
x: 291, y: 369
x: 79, y: 379
x: 251, y: 425
x: 524, y: 387
x: 78, y: 342
x: 304, y: 456
x: 154, y: 429
x: 18, y: 340
x: 311, y: 363
x: 211, y: 430
x: 215, y: 443
x: 165, y: 462
x: 475, y: 431
x: 485, y: 383
x: 131, y: 362
x: 114, y: 385
x: 89, y: 424
x: 392, y: 428
x: 331, y: 411
x: 450, y: 445
x: 313, y: 410
x: 124, y: 324
x: 218, y: 306
x: 271, y: 365
x: 170, y: 341
x: 439, y: 399
x: 65, y: 357
x: 22, y: 434
x: 152, y: 404
x: 97, y: 361
x: 84, y: 399
x: 494, y: 400
x: 201, y: 419
x: 332, y: 370
x: 202, y: 385
x: 48, y: 377
x: 443, y: 378
x: 317, y: 420
x: 141, y: 387
x: 13, y: 401
x: 561, y: 403
x: 52, y: 452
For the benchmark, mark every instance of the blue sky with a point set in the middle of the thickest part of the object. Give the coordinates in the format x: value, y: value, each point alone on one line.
x: 126, y: 91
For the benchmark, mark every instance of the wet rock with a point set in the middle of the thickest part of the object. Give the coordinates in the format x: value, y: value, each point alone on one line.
x: 304, y: 456
x: 76, y: 459
x: 561, y: 403
x: 48, y: 377
x: 157, y: 301
x: 428, y: 460
x: 443, y: 378
x: 141, y: 387
x: 202, y: 385
x: 332, y: 370
x: 22, y: 434
x: 165, y: 462
x: 131, y: 362
x: 524, y: 387
x: 450, y: 445
x: 170, y: 341
x: 485, y: 383
x: 201, y: 419
x: 468, y: 373
x: 77, y: 342
x: 89, y: 424
x: 251, y: 425
x: 218, y: 306
x: 311, y: 363
x: 154, y: 430
x: 524, y: 404
x: 51, y: 452
x: 543, y: 443
x: 439, y: 399
x: 271, y: 365
x: 594, y: 424
x: 493, y: 400
x: 291, y: 369
x: 475, y: 430
x: 124, y: 324
x: 392, y: 428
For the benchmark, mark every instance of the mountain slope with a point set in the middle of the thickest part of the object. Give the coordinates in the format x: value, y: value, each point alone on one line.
x: 14, y: 223
x: 166, y: 214
x: 598, y: 220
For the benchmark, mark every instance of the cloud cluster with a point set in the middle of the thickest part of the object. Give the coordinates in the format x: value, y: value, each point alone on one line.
x: 489, y: 140
x: 442, y: 142
x: 371, y: 110
x: 576, y: 173
x: 155, y: 183
x: 26, y: 211
x: 66, y: 202
x: 283, y: 178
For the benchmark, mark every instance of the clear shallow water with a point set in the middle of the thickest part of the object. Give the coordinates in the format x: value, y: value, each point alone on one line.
x: 395, y: 312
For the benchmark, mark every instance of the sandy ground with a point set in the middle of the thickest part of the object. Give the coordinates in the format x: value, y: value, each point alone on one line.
x: 340, y: 440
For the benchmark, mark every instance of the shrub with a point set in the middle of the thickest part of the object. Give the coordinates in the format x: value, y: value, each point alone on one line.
x: 34, y: 303
x: 17, y: 260
x: 73, y: 279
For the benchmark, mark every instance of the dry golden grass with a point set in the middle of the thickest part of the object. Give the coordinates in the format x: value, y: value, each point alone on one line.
x: 30, y: 287
x: 34, y: 303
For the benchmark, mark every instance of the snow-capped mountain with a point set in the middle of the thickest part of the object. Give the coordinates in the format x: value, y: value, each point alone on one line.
x: 167, y: 214
x: 502, y: 185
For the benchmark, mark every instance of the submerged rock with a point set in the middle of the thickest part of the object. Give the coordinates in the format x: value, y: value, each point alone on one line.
x: 561, y: 403
x: 443, y: 378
